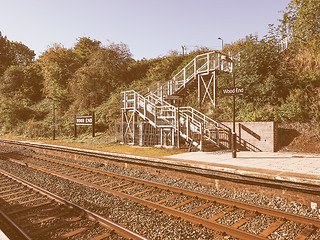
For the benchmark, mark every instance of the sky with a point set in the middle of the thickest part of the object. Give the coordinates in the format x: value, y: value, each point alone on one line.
x: 150, y: 28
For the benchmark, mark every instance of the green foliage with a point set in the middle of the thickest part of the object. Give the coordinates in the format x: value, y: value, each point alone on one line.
x: 105, y: 71
x: 12, y: 81
x: 289, y: 111
x: 301, y: 21
x: 22, y: 81
x: 14, y: 111
x: 164, y: 68
x: 22, y: 54
x: 280, y: 86
x: 58, y: 64
x: 6, y: 55
x: 35, y: 129
x: 14, y: 53
x: 85, y: 47
x: 136, y: 75
x: 261, y: 72
x: 33, y: 83
x: 108, y: 112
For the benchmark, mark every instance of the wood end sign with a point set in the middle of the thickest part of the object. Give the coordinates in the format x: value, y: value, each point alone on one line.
x: 83, y: 120
x: 233, y: 91
x: 88, y: 120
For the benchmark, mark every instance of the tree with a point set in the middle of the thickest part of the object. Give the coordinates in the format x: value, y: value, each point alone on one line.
x: 301, y: 24
x: 58, y: 64
x: 85, y: 47
x: 6, y: 55
x: 33, y: 83
x: 24, y: 82
x: 12, y: 81
x: 163, y: 69
x: 261, y: 71
x: 14, y: 53
x: 22, y: 54
x: 301, y: 21
x: 105, y: 72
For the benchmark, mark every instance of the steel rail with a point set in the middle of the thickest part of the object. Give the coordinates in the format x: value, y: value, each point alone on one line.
x: 150, y: 161
x: 103, y: 221
x: 246, y: 206
x: 192, y: 218
x: 15, y: 226
x: 187, y: 216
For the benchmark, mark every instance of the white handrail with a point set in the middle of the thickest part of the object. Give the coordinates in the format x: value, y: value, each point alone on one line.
x: 151, y: 104
x: 165, y: 114
x: 207, y: 63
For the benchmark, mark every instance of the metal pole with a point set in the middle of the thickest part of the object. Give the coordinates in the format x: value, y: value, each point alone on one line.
x: 178, y: 124
x: 75, y: 126
x: 234, y: 136
x: 201, y: 137
x: 93, y: 124
x: 134, y: 118
x: 134, y: 122
x: 214, y: 89
x: 124, y: 125
x: 221, y: 42
x: 199, y: 91
x: 54, y: 119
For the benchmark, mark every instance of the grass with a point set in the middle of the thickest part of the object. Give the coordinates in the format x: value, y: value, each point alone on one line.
x: 102, y: 142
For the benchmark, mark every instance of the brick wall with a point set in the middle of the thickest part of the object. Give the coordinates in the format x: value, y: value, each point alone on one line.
x: 256, y: 136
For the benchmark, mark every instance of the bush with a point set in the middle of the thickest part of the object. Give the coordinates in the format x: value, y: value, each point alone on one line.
x: 289, y: 111
x: 249, y: 112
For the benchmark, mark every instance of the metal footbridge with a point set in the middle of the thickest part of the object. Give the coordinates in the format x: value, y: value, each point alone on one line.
x: 155, y: 117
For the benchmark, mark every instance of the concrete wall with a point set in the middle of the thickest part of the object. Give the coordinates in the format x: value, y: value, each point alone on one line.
x: 256, y: 136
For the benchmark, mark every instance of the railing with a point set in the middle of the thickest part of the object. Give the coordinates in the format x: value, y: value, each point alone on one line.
x: 200, y: 64
x: 282, y: 45
x: 185, y: 120
x: 195, y: 114
x: 212, y: 131
x: 191, y: 122
x: 158, y: 115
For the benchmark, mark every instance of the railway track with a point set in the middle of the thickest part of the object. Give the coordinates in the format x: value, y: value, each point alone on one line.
x: 243, y: 221
x: 30, y: 212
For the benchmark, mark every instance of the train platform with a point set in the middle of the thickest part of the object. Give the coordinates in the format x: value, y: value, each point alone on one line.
x: 292, y: 167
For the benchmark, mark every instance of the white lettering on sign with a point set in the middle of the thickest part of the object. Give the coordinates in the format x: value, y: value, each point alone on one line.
x: 83, y: 120
x: 233, y: 91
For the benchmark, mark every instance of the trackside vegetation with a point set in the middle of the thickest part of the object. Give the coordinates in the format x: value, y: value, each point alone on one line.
x: 282, y: 84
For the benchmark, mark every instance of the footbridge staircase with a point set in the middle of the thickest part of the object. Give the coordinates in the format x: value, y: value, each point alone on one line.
x: 154, y: 116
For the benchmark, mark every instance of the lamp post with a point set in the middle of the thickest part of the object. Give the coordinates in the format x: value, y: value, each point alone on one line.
x: 53, y: 117
x: 183, y: 49
x: 221, y: 42
x: 233, y: 134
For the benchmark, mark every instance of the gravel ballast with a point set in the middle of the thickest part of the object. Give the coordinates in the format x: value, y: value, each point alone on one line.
x: 152, y: 223
x: 145, y: 221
